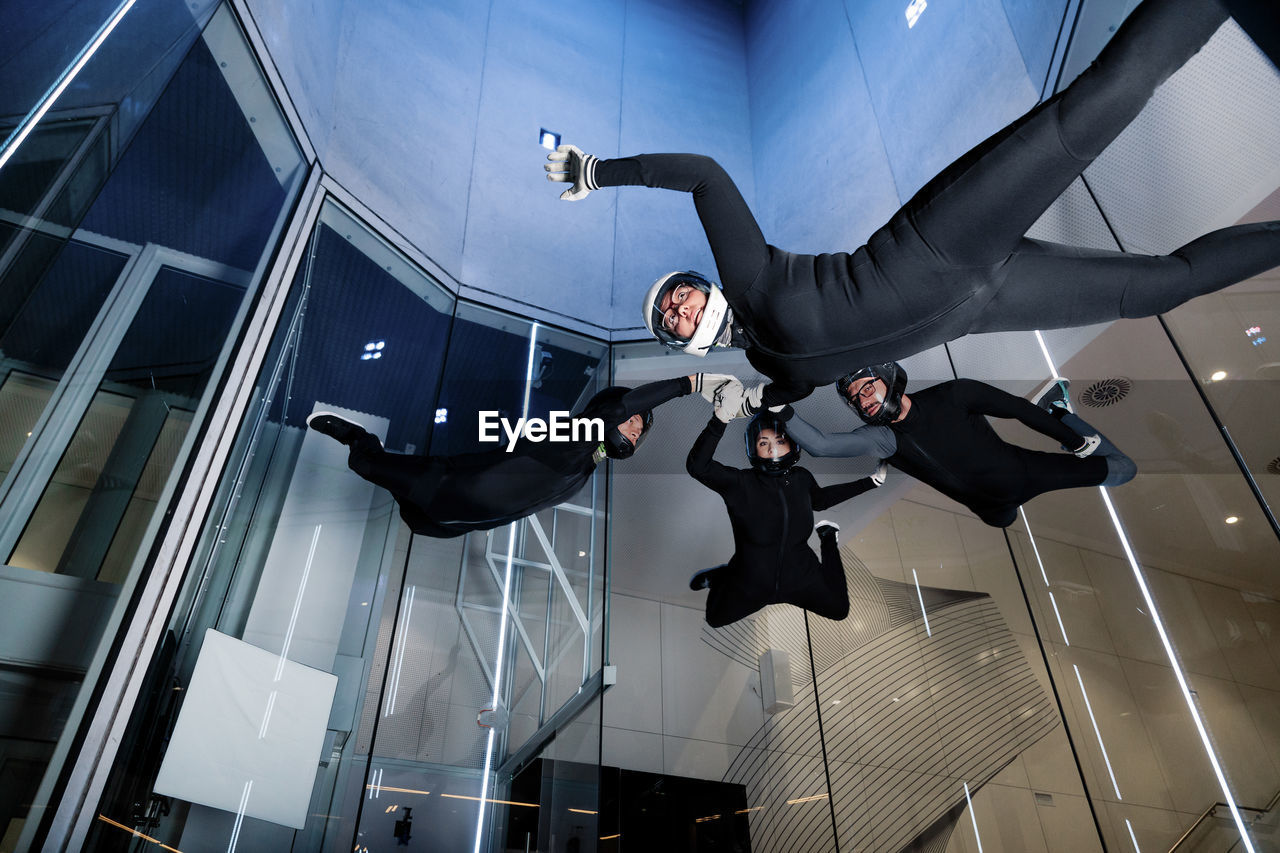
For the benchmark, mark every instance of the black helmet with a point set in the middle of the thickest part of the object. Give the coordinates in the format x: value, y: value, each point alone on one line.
x: 776, y: 465
x: 895, y: 381
x: 617, y: 445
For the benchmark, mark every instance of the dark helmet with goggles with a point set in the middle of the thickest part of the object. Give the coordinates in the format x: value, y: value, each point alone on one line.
x: 895, y: 383
x: 777, y: 463
x: 617, y: 445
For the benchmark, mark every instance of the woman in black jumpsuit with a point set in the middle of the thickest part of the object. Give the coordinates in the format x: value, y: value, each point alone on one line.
x: 954, y: 259
x: 772, y: 517
x: 943, y: 439
x: 447, y: 496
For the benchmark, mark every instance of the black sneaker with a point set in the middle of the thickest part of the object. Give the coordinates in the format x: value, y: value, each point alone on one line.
x: 1055, y: 396
x: 337, y: 427
x: 702, y: 579
x: 826, y: 528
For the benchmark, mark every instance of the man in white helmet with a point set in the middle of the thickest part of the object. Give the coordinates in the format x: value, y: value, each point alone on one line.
x: 953, y: 260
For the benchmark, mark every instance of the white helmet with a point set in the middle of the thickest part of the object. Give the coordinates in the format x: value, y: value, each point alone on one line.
x: 715, y: 316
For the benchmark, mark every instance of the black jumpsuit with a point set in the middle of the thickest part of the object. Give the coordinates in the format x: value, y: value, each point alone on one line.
x: 946, y: 442
x: 446, y: 496
x: 772, y: 517
x: 954, y: 259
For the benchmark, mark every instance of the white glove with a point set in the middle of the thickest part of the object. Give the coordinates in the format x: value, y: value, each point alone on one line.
x: 707, y: 384
x: 882, y: 472
x: 1091, y: 443
x: 727, y: 399
x: 734, y: 401
x: 569, y: 165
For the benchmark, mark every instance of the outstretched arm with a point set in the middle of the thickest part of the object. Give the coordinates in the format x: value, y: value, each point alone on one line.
x: 988, y: 400
x: 735, y: 238
x: 865, y: 441
x: 642, y: 398
x: 824, y: 497
x: 702, y: 465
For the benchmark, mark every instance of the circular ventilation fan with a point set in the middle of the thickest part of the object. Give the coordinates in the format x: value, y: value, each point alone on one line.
x: 1105, y: 392
x: 1273, y: 467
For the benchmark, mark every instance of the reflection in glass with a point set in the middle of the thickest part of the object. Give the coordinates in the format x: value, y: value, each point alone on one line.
x: 124, y: 271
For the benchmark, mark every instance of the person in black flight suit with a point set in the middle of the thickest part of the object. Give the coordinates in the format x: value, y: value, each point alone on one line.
x: 771, y: 508
x: 446, y: 496
x: 955, y: 258
x: 940, y: 436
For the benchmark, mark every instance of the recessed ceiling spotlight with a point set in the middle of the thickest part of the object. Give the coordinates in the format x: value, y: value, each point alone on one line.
x: 1218, y: 376
x: 1232, y: 519
x: 442, y: 416
x: 548, y: 139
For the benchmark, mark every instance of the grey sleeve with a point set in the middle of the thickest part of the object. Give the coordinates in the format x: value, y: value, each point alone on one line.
x: 876, y: 441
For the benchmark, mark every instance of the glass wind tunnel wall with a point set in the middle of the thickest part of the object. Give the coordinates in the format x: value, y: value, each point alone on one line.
x: 401, y: 642
x: 126, y: 273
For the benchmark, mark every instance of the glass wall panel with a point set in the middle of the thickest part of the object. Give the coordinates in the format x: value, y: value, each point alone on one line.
x: 1229, y: 340
x: 1146, y: 768
x: 308, y: 565
x: 112, y: 339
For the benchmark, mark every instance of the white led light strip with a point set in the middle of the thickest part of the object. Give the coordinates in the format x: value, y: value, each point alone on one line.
x: 972, y: 817
x: 1168, y: 646
x: 506, y: 606
x: 1040, y: 562
x: 920, y: 596
x: 1088, y: 706
x: 33, y: 117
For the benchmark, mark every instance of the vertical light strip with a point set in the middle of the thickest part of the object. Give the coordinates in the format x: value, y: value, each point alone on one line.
x: 397, y: 664
x: 1098, y: 732
x: 33, y: 118
x: 1168, y: 646
x: 506, y: 606
x: 1053, y: 368
x: 1177, y: 673
x: 1061, y: 627
x: 921, y: 597
x: 972, y: 817
x: 235, y: 829
x: 1132, y: 837
x: 297, y: 604
x: 266, y: 717
x: 1036, y: 550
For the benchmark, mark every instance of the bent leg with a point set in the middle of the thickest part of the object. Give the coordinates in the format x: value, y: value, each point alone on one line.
x: 822, y: 587
x: 405, y: 477
x: 1051, y: 286
x: 977, y: 208
x: 1120, y: 468
x: 729, y: 601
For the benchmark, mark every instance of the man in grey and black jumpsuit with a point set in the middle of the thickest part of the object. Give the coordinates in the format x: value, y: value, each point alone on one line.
x: 772, y: 516
x: 955, y: 259
x: 943, y: 439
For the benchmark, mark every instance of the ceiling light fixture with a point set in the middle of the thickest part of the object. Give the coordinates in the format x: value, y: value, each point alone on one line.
x: 1232, y: 519
x: 914, y: 11
x: 1218, y: 376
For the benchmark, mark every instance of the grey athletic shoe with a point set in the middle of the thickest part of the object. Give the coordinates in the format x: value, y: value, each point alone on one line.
x: 1055, y: 394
